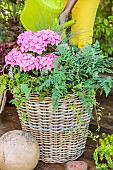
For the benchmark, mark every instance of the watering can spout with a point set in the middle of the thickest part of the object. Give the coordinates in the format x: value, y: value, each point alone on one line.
x: 66, y: 24
x: 59, y: 27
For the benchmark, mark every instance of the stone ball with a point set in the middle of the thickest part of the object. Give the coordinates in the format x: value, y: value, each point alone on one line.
x: 76, y: 165
x: 18, y: 151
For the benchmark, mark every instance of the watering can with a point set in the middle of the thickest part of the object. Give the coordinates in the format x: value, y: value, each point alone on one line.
x: 41, y: 14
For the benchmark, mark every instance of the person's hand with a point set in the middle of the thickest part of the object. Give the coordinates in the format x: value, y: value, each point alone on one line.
x: 63, y: 17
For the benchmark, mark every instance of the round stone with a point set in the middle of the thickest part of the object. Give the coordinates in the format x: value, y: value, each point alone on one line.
x: 76, y: 165
x: 18, y: 151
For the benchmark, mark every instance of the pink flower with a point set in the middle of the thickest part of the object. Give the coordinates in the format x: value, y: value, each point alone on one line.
x: 16, y: 58
x: 27, y: 62
x: 37, y: 42
x: 34, y: 50
x: 12, y: 57
x: 47, y: 61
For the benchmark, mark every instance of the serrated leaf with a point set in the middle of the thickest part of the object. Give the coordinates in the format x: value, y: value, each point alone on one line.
x: 107, y: 84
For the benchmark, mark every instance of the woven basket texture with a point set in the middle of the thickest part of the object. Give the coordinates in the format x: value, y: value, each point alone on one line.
x: 2, y: 101
x: 61, y: 134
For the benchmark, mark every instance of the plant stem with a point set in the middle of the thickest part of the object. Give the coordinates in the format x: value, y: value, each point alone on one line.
x: 1, y: 124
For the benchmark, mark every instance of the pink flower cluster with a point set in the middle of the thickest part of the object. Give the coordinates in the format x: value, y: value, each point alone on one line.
x: 31, y: 46
x: 37, y: 42
x: 28, y: 62
x: 45, y: 62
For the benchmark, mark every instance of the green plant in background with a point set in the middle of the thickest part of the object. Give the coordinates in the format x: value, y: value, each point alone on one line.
x: 103, y: 31
x: 10, y: 25
x: 11, y: 10
x: 103, y: 155
x: 105, y: 8
x: 103, y: 28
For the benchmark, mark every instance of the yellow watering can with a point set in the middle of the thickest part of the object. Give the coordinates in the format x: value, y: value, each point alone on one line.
x: 41, y: 14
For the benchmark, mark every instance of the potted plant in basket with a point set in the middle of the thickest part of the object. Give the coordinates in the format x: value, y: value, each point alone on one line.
x: 54, y: 87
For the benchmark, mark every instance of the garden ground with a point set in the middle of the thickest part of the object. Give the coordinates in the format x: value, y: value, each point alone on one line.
x: 11, y: 121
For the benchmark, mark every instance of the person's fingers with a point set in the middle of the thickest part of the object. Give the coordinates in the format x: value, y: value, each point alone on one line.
x: 63, y: 18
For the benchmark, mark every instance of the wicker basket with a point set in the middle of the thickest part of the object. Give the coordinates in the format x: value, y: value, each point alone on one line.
x: 2, y: 101
x: 62, y: 134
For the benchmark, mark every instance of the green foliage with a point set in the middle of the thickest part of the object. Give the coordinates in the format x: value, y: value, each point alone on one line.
x: 103, y: 155
x: 103, y: 27
x: 11, y: 9
x: 105, y: 8
x: 103, y: 31
x: 75, y: 71
x: 10, y: 17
